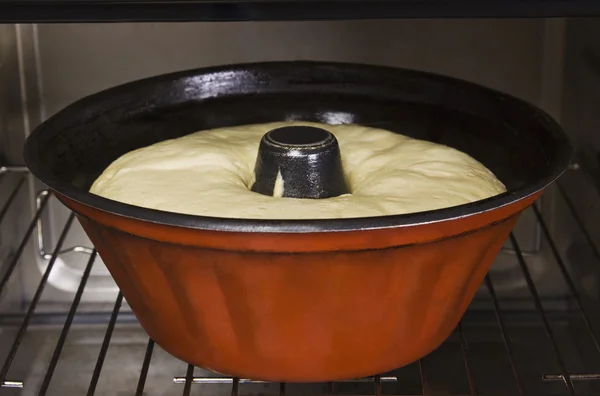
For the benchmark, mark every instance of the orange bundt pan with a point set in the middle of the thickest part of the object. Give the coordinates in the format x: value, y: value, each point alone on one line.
x: 299, y: 300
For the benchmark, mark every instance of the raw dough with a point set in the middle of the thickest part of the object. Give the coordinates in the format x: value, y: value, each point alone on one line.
x: 209, y: 173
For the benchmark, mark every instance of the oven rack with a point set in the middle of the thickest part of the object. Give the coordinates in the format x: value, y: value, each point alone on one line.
x: 568, y: 379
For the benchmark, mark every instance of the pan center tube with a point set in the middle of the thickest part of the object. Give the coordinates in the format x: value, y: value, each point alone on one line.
x: 299, y: 162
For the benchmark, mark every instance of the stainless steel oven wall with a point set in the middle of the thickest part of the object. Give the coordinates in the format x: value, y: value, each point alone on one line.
x: 61, y: 63
x: 579, y: 116
x: 12, y: 134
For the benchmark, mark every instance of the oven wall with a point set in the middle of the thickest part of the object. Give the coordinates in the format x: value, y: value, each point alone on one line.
x: 12, y: 134
x: 579, y: 116
x: 62, y: 63
x: 80, y: 59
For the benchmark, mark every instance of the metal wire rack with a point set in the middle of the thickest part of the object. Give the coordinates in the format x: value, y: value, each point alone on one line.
x: 374, y: 385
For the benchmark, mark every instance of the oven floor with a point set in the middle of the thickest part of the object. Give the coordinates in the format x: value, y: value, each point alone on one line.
x: 444, y: 370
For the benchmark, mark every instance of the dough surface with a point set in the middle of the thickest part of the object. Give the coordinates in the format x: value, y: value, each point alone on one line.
x: 209, y: 173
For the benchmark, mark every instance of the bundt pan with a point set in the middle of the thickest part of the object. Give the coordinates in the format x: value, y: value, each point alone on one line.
x: 299, y: 300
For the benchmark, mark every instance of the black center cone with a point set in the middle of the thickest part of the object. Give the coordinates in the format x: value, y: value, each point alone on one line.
x: 299, y: 162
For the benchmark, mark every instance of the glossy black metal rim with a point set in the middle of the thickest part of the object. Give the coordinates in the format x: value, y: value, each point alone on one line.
x: 561, y: 161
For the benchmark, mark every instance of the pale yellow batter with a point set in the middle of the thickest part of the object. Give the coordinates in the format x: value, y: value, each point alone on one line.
x: 209, y: 173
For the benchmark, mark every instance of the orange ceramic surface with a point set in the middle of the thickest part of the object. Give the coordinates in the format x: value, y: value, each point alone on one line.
x: 299, y: 307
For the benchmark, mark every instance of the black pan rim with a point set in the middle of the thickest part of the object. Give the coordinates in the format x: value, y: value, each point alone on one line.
x: 560, y: 163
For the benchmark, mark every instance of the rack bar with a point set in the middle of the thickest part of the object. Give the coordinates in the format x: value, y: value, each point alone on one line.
x: 11, y: 266
x: 424, y: 384
x: 567, y: 276
x: 145, y: 366
x: 505, y: 338
x: 281, y: 388
x: 65, y: 331
x: 230, y: 380
x: 105, y: 343
x: 540, y: 308
x: 40, y: 237
x: 13, y: 384
x: 16, y: 169
x: 377, y: 387
x: 329, y: 388
x: 187, y: 388
x: 235, y: 386
x: 34, y: 302
x: 464, y: 348
x: 573, y: 377
x: 11, y: 198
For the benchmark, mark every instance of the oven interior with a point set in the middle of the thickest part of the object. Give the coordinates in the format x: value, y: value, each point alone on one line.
x: 65, y: 328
